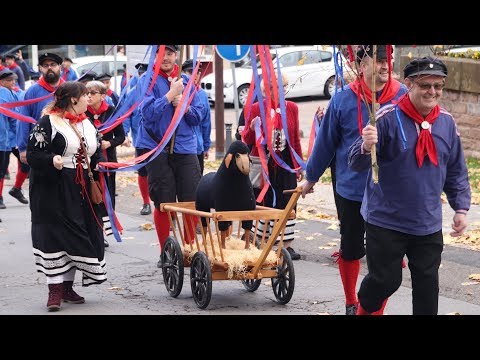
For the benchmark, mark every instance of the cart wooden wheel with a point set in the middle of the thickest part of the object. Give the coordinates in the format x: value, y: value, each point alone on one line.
x: 172, y: 266
x: 201, y: 279
x: 284, y: 283
x: 251, y: 284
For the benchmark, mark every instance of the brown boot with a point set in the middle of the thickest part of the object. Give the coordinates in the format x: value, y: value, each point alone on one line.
x: 69, y: 295
x: 55, y: 294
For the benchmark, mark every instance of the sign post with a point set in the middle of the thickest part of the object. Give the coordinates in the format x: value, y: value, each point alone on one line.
x: 232, y: 53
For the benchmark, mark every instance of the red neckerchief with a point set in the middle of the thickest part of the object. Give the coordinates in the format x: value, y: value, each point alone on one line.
x: 388, y: 93
x: 13, y: 66
x: 109, y: 92
x: 65, y: 73
x: 47, y: 86
x: 96, y: 113
x: 2, y: 67
x: 67, y: 115
x: 425, y: 143
x: 16, y: 89
x: 173, y: 74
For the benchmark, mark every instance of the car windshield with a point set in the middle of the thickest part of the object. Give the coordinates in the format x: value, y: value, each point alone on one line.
x: 248, y: 64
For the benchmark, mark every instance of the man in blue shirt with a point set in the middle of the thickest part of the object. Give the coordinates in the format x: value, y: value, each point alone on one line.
x: 338, y: 130
x: 205, y: 128
x: 419, y: 155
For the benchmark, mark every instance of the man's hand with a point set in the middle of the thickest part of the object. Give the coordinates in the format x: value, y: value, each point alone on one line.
x: 319, y: 114
x: 459, y: 224
x: 23, y: 157
x: 370, y: 137
x: 205, y: 155
x: 106, y: 144
x: 176, y: 100
x: 307, y: 188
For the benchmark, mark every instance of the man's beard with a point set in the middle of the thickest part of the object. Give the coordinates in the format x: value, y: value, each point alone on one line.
x: 51, y: 77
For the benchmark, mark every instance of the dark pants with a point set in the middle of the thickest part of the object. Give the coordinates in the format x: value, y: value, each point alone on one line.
x: 352, y: 229
x: 385, y: 251
x: 201, y: 161
x: 24, y: 167
x: 4, y: 162
x: 172, y: 176
x: 138, y: 152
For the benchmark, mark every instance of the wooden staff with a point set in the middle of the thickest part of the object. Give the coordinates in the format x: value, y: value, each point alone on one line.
x: 172, y: 140
x: 373, y: 121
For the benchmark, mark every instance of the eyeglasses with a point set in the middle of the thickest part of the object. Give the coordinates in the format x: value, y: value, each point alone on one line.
x: 93, y: 92
x: 427, y: 86
x: 52, y: 65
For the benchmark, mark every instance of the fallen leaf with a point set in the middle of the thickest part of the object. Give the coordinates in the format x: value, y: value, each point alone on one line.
x: 309, y: 238
x: 315, y: 302
x: 115, y: 288
x: 475, y: 277
x: 470, y: 283
x: 332, y: 227
x: 331, y: 244
x: 146, y: 226
x: 453, y: 313
x: 324, y: 247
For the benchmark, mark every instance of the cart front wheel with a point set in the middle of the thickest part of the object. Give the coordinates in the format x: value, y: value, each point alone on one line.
x: 284, y: 283
x: 172, y: 266
x: 201, y: 279
x: 251, y: 284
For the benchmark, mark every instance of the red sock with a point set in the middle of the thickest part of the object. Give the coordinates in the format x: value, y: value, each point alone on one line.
x: 192, y: 223
x: 380, y: 311
x: 1, y: 186
x: 162, y: 226
x: 361, y: 310
x: 143, y: 185
x: 20, y: 179
x: 349, y: 270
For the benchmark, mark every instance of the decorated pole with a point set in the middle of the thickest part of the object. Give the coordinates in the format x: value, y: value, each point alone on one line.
x: 372, y: 118
x: 172, y: 140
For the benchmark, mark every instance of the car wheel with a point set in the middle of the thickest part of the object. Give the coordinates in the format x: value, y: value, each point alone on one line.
x: 243, y: 94
x: 329, y: 88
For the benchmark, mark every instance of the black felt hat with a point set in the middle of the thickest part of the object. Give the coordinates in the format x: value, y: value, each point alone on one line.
x: 51, y: 56
x: 425, y: 66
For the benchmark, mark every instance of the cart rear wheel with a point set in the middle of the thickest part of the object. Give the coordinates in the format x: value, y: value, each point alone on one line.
x: 201, y: 279
x: 251, y: 284
x: 284, y: 283
x: 172, y: 266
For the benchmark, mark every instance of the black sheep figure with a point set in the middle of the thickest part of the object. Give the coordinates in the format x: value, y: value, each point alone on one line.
x: 228, y: 189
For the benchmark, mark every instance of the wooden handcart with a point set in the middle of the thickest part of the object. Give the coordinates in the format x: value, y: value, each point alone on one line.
x: 206, y: 259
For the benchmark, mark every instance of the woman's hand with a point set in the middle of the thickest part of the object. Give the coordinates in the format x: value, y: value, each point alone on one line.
x: 58, y: 162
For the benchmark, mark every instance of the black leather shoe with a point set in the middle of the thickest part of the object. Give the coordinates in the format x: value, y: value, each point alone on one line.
x: 146, y: 210
x: 18, y: 194
x: 2, y: 205
x: 293, y: 254
x: 105, y: 242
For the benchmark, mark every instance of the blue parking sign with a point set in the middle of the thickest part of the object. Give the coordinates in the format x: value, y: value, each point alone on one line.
x: 232, y: 53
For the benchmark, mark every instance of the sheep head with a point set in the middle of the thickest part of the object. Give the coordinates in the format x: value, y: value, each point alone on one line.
x: 240, y: 152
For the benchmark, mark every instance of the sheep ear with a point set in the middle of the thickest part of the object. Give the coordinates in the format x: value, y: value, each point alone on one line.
x: 228, y: 159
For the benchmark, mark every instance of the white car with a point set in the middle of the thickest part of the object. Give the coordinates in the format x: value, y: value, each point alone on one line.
x: 310, y: 71
x: 102, y: 64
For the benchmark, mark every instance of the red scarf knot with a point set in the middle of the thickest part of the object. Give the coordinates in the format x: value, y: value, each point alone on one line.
x: 425, y: 143
x: 67, y: 115
x: 172, y: 75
